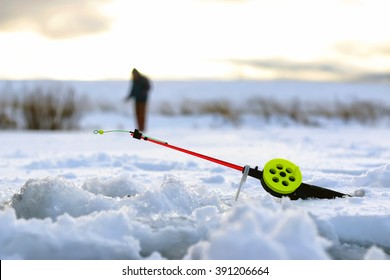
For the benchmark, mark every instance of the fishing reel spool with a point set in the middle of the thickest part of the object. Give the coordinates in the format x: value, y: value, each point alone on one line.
x: 281, y: 177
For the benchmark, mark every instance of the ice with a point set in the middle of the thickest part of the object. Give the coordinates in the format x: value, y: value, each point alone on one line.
x: 263, y: 232
x: 53, y: 197
x: 375, y: 253
x: 77, y: 195
x: 377, y: 177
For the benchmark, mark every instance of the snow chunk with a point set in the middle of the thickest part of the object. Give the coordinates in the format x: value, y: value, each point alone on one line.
x: 89, y: 237
x: 373, y: 229
x: 375, y: 253
x: 216, y: 179
x: 52, y: 197
x: 115, y: 187
x: 254, y: 231
x: 377, y: 177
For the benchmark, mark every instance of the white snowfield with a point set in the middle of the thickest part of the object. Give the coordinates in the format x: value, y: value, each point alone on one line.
x: 78, y: 195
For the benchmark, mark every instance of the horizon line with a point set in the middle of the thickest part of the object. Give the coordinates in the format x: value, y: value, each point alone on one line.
x: 357, y: 80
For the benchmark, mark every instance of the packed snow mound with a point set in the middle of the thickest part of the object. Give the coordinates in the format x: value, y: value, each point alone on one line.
x: 378, y: 177
x: 52, y: 197
x: 375, y: 253
x: 114, y: 187
x: 263, y: 230
x: 365, y: 230
x: 156, y: 223
x: 89, y: 237
x: 53, y: 218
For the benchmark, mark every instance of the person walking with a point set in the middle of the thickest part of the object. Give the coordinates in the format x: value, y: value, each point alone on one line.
x: 139, y: 92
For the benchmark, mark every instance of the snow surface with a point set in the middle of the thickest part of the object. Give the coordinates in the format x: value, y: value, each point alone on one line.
x: 77, y: 195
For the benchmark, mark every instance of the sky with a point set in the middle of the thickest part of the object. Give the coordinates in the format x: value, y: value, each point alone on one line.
x: 195, y: 39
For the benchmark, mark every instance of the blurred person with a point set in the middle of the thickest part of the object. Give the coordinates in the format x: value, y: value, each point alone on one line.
x: 139, y: 91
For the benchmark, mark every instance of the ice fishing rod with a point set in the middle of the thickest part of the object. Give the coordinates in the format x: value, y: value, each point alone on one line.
x: 279, y: 177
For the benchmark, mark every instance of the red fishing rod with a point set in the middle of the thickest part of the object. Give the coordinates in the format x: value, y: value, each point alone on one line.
x: 279, y: 177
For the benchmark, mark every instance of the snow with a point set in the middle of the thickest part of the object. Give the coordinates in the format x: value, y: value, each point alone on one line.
x: 77, y: 195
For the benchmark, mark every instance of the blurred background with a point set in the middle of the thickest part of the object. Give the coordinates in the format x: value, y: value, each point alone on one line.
x: 223, y: 57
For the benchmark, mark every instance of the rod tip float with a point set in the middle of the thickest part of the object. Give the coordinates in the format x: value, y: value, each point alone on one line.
x: 280, y: 177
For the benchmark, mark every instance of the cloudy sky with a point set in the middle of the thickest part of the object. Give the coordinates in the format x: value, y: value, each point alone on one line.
x: 195, y: 39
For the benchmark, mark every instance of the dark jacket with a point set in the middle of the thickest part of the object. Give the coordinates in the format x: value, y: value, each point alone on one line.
x: 140, y: 89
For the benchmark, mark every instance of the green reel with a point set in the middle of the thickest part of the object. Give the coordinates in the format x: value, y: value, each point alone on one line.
x: 282, y: 176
